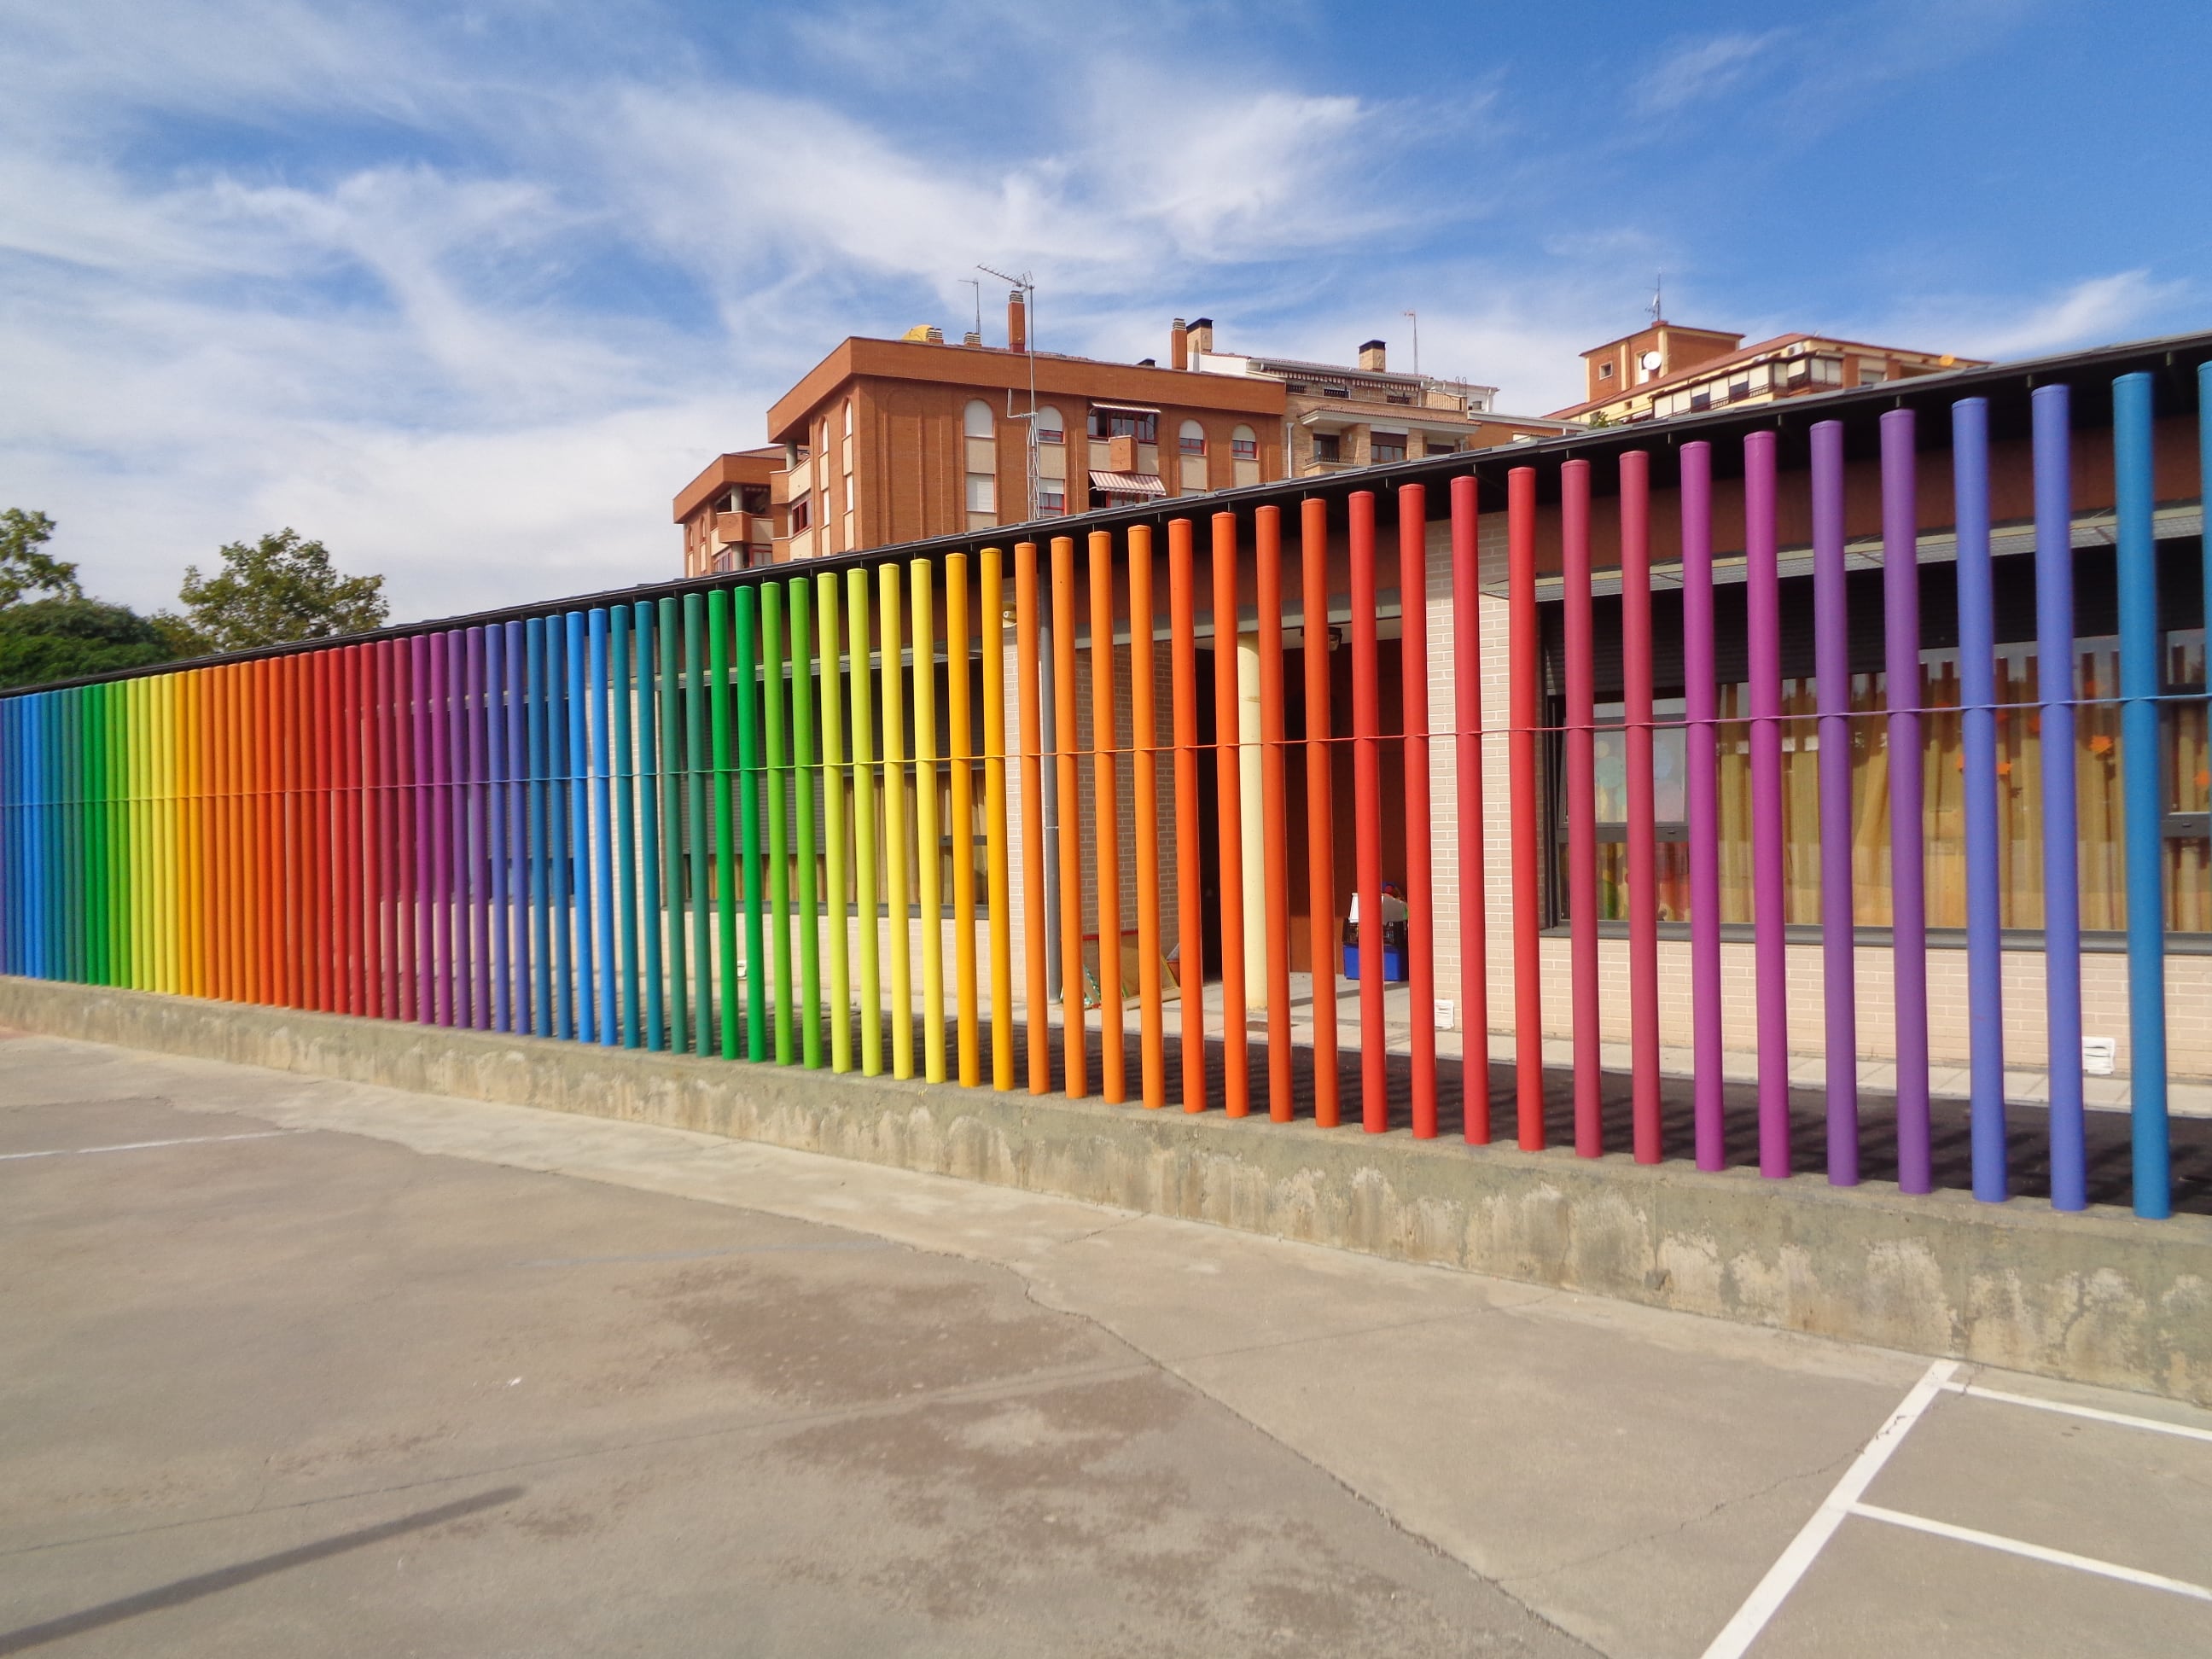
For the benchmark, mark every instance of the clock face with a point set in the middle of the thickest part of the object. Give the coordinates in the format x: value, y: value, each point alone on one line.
x: 1651, y: 361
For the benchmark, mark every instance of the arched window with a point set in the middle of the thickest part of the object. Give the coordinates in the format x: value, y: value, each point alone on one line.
x: 1051, y: 426
x: 1244, y: 455
x: 848, y: 420
x: 1191, y: 439
x: 983, y: 466
x: 1191, y: 478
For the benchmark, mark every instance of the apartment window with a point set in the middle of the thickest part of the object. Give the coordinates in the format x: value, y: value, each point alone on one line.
x: 802, y: 516
x: 1605, y: 371
x: 1051, y: 427
x: 1328, y: 446
x: 982, y: 464
x: 1051, y: 503
x: 1107, y: 422
x: 1701, y: 400
x: 1191, y: 441
x: 848, y: 427
x: 1388, y: 446
x: 1872, y: 371
x: 1439, y: 446
x: 1244, y: 444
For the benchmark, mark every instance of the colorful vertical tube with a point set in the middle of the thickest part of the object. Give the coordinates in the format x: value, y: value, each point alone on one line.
x: 997, y: 875
x: 1524, y: 712
x: 1900, y: 572
x: 1319, y: 804
x: 898, y: 935
x: 1275, y: 805
x: 2051, y: 422
x: 1977, y: 720
x: 1642, y: 827
x: 1768, y: 892
x: 2142, y: 789
x: 960, y: 723
x: 1367, y: 820
x: 1831, y: 669
x: 866, y: 869
x: 746, y: 674
x: 1579, y: 746
x: 1144, y: 799
x: 1105, y: 820
x: 775, y: 775
x: 835, y: 781
x: 1701, y: 803
x: 928, y: 873
x: 1075, y: 1082
x: 805, y: 785
x: 1190, y: 918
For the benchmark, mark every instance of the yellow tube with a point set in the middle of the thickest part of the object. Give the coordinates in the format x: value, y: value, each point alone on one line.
x: 928, y: 837
x: 865, y: 867
x: 834, y: 783
x: 897, y: 940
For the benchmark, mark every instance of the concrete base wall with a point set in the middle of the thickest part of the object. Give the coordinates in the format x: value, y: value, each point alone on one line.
x: 2100, y: 1297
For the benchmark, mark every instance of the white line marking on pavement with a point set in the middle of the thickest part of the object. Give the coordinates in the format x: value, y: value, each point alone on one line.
x: 1740, y: 1632
x: 144, y: 1145
x: 1973, y: 1391
x: 2033, y: 1551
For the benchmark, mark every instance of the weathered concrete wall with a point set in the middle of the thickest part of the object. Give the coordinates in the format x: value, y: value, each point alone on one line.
x: 2100, y: 1297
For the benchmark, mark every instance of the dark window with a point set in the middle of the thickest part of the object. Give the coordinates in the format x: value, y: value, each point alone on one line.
x: 1702, y: 399
x: 1605, y: 371
x: 801, y: 514
x: 1123, y: 423
x: 1052, y: 502
x: 1389, y: 446
x: 1328, y: 446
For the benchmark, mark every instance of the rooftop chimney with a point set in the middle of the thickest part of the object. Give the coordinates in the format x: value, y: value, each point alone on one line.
x: 1179, y: 345
x: 1017, y: 323
x: 1201, y: 334
x: 1374, y: 357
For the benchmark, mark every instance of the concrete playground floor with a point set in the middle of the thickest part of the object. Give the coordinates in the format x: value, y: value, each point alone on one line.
x: 298, y: 1365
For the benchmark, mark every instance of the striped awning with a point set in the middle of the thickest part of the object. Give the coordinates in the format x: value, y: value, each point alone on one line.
x: 1128, y: 483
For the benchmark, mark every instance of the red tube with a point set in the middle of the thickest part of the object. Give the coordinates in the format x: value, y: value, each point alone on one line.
x: 1523, y: 668
x: 1190, y: 958
x: 1643, y: 831
x: 1367, y: 819
x: 1236, y: 1059
x: 1420, y: 899
x: 1581, y: 803
x: 1473, y: 904
x: 1321, y: 808
x: 1275, y: 810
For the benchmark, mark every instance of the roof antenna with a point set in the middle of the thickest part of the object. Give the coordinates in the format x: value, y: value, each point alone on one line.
x: 1658, y: 287
x: 977, y: 283
x: 1415, y: 320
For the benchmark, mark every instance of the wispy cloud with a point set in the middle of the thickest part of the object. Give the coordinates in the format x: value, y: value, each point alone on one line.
x: 1700, y: 70
x: 2096, y: 311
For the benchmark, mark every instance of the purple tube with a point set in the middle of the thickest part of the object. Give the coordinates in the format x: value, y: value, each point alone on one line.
x: 1832, y: 666
x: 1900, y: 590
x: 495, y: 853
x: 441, y: 838
x: 1771, y: 959
x: 479, y: 895
x: 418, y: 922
x: 1702, y: 802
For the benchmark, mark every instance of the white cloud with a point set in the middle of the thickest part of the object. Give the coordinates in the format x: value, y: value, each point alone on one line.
x: 1701, y: 70
x: 2096, y: 311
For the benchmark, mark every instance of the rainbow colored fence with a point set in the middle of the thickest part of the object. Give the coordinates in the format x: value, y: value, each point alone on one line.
x: 845, y: 816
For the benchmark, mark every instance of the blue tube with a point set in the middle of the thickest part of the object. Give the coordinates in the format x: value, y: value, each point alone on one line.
x: 556, y: 840
x: 517, y: 919
x: 576, y: 714
x: 607, y: 1028
x: 2062, y: 873
x: 620, y: 666
x: 1978, y: 691
x: 2141, y: 794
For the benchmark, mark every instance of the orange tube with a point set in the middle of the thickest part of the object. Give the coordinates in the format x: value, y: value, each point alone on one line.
x: 994, y: 820
x: 1321, y: 808
x: 1036, y: 1014
x: 1072, y: 1029
x: 1145, y: 797
x: 1111, y: 1082
x: 1275, y: 810
x: 961, y: 723
x: 1190, y: 961
x: 1235, y: 1062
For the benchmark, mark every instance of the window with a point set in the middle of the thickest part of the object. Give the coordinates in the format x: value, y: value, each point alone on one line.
x: 801, y: 517
x: 1439, y: 446
x: 1872, y: 371
x: 1328, y: 446
x: 1191, y: 441
x: 1051, y: 503
x: 1244, y: 444
x: 1051, y: 429
x: 982, y: 464
x: 1605, y: 371
x: 1388, y: 447
x: 1107, y: 422
x: 848, y: 424
x: 1701, y: 399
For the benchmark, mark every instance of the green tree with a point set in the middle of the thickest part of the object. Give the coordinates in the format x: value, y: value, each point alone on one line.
x: 60, y: 639
x: 281, y: 588
x: 24, y: 567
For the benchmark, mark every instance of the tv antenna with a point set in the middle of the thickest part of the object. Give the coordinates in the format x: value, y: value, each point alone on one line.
x: 976, y: 284
x: 1658, y: 291
x: 1414, y: 318
x: 1026, y: 288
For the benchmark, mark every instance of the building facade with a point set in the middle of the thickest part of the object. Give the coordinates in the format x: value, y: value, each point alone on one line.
x: 1667, y: 369
x: 729, y: 514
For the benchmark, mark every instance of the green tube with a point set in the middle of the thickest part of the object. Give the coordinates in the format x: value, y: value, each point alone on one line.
x: 670, y: 759
x: 726, y: 878
x: 864, y: 824
x: 833, y: 826
x: 626, y: 674
x: 702, y: 933
x: 803, y: 777
x: 779, y: 848
x: 748, y: 792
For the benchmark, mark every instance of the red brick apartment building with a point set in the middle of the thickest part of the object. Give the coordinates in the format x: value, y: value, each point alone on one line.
x: 894, y: 440
x: 1666, y: 369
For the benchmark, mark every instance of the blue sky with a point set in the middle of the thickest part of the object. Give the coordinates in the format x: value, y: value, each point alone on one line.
x: 469, y: 291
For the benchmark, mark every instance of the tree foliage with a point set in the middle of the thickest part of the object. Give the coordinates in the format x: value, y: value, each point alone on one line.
x: 281, y: 588
x: 25, y: 567
x: 59, y: 638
